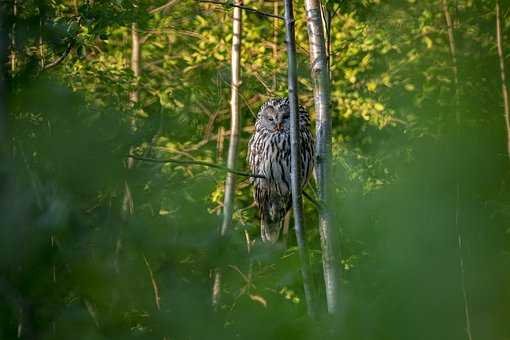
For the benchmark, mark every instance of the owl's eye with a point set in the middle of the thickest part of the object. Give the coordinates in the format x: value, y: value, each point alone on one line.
x: 270, y: 119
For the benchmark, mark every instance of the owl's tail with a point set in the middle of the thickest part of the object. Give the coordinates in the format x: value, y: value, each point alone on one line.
x: 269, y: 230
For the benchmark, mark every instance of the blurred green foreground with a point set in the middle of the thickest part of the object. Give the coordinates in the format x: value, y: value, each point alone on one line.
x: 422, y: 185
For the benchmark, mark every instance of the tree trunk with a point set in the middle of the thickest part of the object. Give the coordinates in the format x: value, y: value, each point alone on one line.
x: 234, y: 120
x: 4, y: 37
x: 76, y: 7
x: 297, y: 203
x: 230, y: 183
x: 135, y: 59
x: 328, y: 19
x: 504, y: 91
x: 12, y: 51
x: 128, y: 207
x: 127, y: 202
x: 460, y: 250
x: 320, y: 76
x: 9, y: 294
x: 42, y: 14
x: 453, y: 54
x: 275, y: 44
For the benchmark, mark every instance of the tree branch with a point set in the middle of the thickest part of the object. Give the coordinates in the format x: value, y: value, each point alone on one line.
x: 322, y: 98
x: 163, y: 7
x: 62, y: 57
x: 295, y: 153
x: 313, y: 200
x: 246, y: 8
x: 201, y: 163
x: 153, y: 281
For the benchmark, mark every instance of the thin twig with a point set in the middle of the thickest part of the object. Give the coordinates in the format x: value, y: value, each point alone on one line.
x: 245, y: 278
x: 313, y: 200
x: 153, y: 281
x: 163, y: 7
x: 246, y: 102
x: 248, y: 9
x: 92, y: 311
x: 201, y: 163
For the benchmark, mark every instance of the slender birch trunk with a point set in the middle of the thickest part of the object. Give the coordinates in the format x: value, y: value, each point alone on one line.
x: 504, y: 91
x: 135, y: 59
x: 4, y: 38
x: 12, y: 55
x: 230, y: 183
x: 297, y: 203
x: 127, y: 202
x: 76, y: 7
x: 275, y: 43
x: 234, y: 121
x: 42, y: 14
x: 460, y: 250
x: 128, y: 207
x: 453, y: 55
x: 328, y: 19
x: 320, y: 76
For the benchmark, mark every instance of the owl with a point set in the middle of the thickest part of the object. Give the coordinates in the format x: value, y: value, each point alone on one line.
x: 269, y: 155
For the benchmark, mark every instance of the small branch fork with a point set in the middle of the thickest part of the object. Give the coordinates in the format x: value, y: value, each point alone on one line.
x: 246, y: 8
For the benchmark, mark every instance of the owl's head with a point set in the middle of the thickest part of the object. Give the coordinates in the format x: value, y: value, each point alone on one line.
x: 274, y: 116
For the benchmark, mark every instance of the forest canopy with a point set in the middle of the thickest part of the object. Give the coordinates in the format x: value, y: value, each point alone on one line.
x: 115, y: 129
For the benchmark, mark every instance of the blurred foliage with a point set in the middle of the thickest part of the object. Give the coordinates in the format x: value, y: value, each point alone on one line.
x: 408, y: 178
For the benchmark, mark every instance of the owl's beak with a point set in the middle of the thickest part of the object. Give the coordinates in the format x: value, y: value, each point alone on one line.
x: 279, y: 126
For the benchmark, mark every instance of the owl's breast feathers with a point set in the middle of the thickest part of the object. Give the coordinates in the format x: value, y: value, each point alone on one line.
x: 269, y: 155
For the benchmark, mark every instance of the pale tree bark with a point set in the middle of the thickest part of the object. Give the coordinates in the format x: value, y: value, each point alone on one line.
x: 328, y: 14
x: 128, y: 207
x: 320, y: 76
x: 42, y: 14
x: 460, y: 250
x: 453, y: 55
x: 504, y: 91
x: 135, y: 59
x: 275, y: 43
x: 4, y: 38
x: 12, y: 55
x: 230, y: 183
x: 297, y: 203
x: 127, y: 202
x: 76, y: 7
